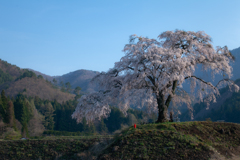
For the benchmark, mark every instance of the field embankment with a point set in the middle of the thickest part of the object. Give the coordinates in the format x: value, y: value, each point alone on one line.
x: 177, y: 141
x: 201, y: 140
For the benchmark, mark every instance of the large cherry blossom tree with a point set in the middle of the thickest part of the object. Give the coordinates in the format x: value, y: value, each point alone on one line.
x: 151, y: 74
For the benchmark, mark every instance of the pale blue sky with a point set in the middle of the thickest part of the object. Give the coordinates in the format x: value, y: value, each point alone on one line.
x: 57, y: 37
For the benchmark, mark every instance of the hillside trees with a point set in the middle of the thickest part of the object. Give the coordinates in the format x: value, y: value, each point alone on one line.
x: 35, y: 125
x: 3, y: 106
x: 229, y: 110
x: 47, y: 110
x: 54, y: 81
x: 115, y: 119
x: 27, y: 73
x: 131, y: 119
x: 23, y: 112
x: 68, y: 87
x: 5, y: 77
x: 6, y: 110
x: 77, y: 90
x: 10, y: 116
x: 102, y: 127
x: 32, y: 116
x: 152, y: 72
x: 40, y: 76
x: 62, y: 86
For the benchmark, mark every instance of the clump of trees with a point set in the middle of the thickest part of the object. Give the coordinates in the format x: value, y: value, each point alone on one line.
x: 151, y: 73
x: 5, y: 77
x: 26, y: 73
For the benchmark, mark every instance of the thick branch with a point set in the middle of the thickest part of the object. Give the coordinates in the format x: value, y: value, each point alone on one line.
x: 208, y: 83
x: 173, y: 91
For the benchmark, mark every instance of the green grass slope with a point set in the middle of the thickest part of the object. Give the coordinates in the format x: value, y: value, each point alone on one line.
x: 170, y: 141
x: 201, y: 140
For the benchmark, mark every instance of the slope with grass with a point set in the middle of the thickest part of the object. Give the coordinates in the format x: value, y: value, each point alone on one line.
x: 203, y: 140
x: 171, y: 141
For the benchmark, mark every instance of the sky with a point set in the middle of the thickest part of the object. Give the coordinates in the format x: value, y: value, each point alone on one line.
x: 57, y: 37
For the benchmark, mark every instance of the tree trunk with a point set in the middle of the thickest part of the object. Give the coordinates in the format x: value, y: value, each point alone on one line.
x: 162, y: 106
x: 162, y: 109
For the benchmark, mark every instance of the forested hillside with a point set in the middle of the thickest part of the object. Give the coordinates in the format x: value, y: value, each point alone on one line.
x: 32, y: 116
x: 15, y: 80
x: 206, y: 76
x: 226, y: 108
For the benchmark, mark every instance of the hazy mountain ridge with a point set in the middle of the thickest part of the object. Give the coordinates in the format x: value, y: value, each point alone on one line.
x: 79, y: 78
x: 30, y: 86
x: 76, y: 78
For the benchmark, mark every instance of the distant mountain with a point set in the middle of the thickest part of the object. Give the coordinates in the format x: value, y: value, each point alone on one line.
x: 79, y: 78
x: 15, y: 80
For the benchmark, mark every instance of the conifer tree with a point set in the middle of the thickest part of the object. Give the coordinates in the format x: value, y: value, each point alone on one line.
x: 68, y: 86
x: 10, y: 114
x: 85, y: 126
x: 92, y: 128
x: 77, y: 90
x: 24, y: 119
x: 47, y: 110
x: 3, y: 106
x: 102, y: 127
x: 62, y: 86
x: 55, y: 81
x: 35, y: 125
x: 23, y: 112
x: 131, y: 119
x: 4, y: 100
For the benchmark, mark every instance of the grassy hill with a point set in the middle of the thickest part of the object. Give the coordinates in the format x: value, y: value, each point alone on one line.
x: 170, y: 141
x: 15, y: 80
x: 166, y: 141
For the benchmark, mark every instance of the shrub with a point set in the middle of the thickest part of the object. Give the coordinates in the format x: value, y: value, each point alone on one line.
x: 208, y: 120
x: 11, y: 134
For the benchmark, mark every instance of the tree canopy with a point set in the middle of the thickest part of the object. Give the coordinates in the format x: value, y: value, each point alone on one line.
x: 152, y: 72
